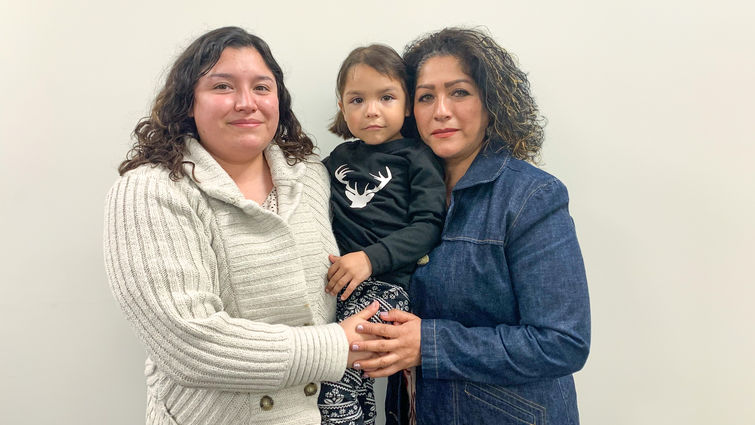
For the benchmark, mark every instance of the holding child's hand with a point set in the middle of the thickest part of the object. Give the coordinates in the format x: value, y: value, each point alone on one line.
x: 350, y: 269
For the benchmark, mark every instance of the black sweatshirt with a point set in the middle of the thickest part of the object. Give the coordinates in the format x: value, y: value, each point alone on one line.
x: 388, y: 200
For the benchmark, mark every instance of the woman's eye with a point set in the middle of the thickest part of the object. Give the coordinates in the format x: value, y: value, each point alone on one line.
x: 262, y: 88
x: 222, y: 86
x: 425, y: 98
x: 460, y: 93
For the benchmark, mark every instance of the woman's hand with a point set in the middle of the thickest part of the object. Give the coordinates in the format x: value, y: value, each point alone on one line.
x: 349, y: 327
x: 350, y: 269
x: 399, y: 348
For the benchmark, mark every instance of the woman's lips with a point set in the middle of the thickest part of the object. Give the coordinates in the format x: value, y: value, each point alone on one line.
x: 444, y: 132
x: 246, y: 123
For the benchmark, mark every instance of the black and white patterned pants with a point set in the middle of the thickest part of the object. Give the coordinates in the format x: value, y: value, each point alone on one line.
x: 351, y: 401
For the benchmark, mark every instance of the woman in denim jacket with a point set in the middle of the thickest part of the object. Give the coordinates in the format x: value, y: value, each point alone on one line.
x: 501, y: 311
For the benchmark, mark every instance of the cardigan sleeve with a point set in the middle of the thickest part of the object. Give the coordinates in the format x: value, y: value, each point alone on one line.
x: 552, y: 337
x: 162, y: 271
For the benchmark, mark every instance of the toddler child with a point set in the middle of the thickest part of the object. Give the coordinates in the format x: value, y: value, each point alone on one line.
x: 388, y: 201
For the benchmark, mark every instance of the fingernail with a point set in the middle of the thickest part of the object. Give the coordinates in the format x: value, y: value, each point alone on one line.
x: 383, y: 314
x: 354, y: 347
x: 360, y: 327
x: 357, y: 366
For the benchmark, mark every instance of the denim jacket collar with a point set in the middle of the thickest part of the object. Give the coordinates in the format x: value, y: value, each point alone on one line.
x: 486, y: 167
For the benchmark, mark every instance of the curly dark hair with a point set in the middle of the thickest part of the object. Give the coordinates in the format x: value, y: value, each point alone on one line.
x: 160, y: 137
x: 382, y: 59
x: 514, y: 119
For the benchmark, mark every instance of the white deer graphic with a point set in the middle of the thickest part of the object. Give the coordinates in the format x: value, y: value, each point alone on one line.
x: 360, y: 200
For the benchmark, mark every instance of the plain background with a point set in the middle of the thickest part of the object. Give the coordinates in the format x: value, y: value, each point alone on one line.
x: 649, y: 106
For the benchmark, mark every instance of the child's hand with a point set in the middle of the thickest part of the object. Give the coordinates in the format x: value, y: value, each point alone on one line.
x: 350, y: 269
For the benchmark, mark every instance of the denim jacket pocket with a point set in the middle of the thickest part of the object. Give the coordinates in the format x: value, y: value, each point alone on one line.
x: 493, y: 404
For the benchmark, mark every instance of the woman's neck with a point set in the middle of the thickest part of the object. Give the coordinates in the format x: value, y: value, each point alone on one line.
x: 455, y: 170
x: 253, y: 177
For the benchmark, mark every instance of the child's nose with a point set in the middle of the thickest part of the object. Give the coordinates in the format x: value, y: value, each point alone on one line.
x: 372, y: 109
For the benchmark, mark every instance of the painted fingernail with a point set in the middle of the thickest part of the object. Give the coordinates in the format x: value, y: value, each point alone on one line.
x: 357, y: 366
x: 354, y: 347
x: 360, y: 327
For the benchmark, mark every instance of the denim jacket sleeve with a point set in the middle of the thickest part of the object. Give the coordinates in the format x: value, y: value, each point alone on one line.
x: 547, y: 276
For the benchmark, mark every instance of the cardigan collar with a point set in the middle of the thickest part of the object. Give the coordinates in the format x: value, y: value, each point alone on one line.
x: 212, y: 179
x: 486, y: 167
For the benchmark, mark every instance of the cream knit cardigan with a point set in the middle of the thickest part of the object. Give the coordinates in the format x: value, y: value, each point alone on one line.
x: 228, y: 298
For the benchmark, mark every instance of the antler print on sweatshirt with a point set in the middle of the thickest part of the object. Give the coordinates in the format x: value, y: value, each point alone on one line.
x: 360, y: 200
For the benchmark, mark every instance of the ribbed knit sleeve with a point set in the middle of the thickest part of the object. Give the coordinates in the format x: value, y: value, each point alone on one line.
x: 164, y: 274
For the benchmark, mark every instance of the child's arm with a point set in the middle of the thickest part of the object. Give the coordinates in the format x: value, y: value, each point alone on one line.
x: 427, y: 206
x: 350, y: 269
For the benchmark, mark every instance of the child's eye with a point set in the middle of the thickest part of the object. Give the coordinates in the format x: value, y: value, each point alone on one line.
x: 356, y: 100
x: 387, y: 97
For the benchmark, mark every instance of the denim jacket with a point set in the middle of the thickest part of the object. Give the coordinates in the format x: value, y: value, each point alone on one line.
x: 503, y: 301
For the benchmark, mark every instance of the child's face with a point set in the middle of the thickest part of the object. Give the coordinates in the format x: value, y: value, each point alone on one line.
x: 373, y: 105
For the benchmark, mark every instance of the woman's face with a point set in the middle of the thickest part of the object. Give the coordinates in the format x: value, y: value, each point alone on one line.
x: 236, y: 106
x: 448, y: 107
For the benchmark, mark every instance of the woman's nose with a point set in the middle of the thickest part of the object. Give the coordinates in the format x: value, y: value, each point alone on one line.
x: 442, y: 112
x: 245, y: 102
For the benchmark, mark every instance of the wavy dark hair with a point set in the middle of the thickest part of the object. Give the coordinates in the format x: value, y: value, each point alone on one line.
x: 160, y: 137
x: 382, y: 59
x: 514, y: 119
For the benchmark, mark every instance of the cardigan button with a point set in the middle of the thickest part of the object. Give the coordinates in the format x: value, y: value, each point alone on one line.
x: 310, y: 389
x: 266, y: 402
x: 424, y: 260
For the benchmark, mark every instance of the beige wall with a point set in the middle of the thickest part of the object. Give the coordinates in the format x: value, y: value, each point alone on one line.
x: 649, y: 106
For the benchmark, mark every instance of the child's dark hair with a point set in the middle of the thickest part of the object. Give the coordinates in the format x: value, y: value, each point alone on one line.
x: 382, y: 59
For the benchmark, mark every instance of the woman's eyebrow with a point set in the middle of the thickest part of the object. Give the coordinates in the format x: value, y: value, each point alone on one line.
x: 231, y: 76
x: 460, y: 80
x: 446, y: 84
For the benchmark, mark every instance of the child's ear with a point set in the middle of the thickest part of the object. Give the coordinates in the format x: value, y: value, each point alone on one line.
x: 408, y: 111
x: 340, y: 106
